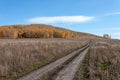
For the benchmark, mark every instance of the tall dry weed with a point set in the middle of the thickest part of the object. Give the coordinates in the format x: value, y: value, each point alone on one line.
x: 18, y: 57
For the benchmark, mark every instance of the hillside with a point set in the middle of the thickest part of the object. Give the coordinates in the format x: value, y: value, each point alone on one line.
x: 39, y: 31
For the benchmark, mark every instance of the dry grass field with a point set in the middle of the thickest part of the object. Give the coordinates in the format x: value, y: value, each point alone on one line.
x: 20, y: 56
x: 102, y: 61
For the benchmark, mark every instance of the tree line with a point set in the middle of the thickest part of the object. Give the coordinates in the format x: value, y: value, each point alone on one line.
x: 36, y: 31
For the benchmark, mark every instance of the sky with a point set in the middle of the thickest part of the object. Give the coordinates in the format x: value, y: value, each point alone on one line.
x: 91, y: 16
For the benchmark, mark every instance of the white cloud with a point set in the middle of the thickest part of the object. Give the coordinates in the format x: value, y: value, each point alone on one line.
x: 116, y: 28
x: 113, y: 13
x: 118, y: 33
x: 116, y: 37
x: 62, y: 19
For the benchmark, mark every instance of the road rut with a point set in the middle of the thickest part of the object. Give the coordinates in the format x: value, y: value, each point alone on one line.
x: 39, y: 73
x: 69, y: 72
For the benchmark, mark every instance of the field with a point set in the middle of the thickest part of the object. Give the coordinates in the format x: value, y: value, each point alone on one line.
x: 20, y: 56
x: 102, y: 61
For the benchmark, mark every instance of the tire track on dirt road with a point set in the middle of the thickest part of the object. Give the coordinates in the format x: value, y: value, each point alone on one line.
x: 69, y: 72
x: 42, y: 73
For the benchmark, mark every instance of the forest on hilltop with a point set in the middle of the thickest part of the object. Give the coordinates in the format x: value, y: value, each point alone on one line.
x: 38, y: 31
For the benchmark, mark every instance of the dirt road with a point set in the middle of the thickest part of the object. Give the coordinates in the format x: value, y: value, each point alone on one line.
x: 66, y: 72
x: 69, y: 72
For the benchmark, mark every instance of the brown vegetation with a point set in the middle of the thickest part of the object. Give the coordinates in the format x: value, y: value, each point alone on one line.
x: 20, y: 56
x: 38, y: 31
x: 102, y: 61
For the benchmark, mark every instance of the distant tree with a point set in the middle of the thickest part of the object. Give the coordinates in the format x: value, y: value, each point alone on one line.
x: 36, y: 31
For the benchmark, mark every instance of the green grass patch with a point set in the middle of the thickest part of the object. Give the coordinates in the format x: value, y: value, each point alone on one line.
x: 83, y: 71
x: 104, y: 66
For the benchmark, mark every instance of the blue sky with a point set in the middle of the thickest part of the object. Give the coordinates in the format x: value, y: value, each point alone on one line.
x: 92, y: 16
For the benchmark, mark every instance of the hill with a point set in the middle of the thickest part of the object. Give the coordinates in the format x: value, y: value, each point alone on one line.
x: 39, y: 31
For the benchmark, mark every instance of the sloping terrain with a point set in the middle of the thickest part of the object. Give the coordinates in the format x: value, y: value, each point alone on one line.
x: 39, y: 31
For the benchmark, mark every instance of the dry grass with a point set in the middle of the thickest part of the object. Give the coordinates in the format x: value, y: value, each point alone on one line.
x: 103, y: 61
x: 18, y: 57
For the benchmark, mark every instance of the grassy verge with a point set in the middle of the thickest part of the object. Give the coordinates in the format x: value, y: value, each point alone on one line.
x: 102, y: 63
x: 83, y: 71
